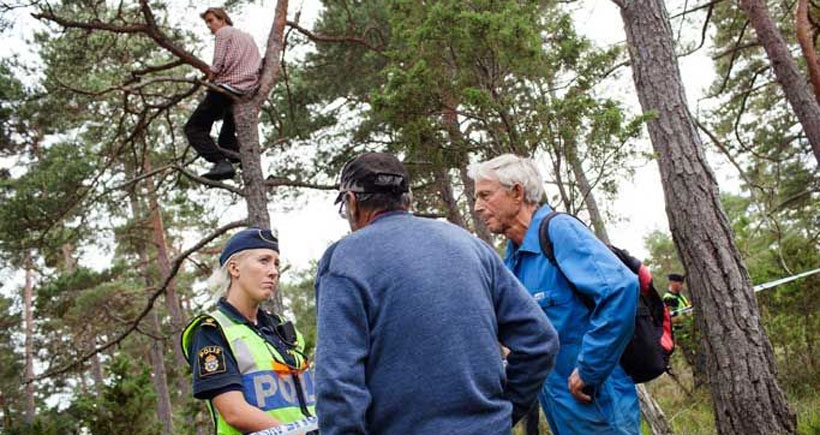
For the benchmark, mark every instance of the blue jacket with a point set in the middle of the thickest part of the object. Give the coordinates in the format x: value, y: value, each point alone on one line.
x: 592, y: 340
x: 410, y: 314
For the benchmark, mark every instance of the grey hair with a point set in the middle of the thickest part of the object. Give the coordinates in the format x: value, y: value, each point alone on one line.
x: 509, y: 170
x: 220, y: 279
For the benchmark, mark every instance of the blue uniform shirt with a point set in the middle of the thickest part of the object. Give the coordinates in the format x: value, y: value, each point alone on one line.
x: 592, y: 339
x: 221, y: 374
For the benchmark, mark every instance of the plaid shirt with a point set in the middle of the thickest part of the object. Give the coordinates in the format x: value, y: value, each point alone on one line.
x: 236, y: 59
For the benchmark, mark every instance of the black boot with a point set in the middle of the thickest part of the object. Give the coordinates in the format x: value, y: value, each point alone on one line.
x: 222, y: 170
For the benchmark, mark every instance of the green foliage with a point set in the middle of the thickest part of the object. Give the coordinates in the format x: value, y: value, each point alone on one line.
x: 48, y: 192
x: 126, y: 405
x: 448, y: 82
x: 11, y: 95
x: 663, y: 258
x: 300, y: 304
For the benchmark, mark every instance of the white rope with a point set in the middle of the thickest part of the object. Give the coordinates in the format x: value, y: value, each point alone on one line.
x: 761, y: 287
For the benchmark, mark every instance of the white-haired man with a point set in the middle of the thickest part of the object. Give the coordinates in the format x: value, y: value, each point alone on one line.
x: 591, y: 300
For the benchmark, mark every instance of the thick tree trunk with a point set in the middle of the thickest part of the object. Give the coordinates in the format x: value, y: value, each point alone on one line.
x: 794, y: 85
x: 28, y: 314
x: 246, y: 117
x: 740, y: 364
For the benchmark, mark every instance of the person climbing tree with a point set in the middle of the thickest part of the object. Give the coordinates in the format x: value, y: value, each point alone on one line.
x: 235, y: 69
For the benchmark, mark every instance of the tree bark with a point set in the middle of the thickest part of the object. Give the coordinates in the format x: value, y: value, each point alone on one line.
x: 740, y: 364
x: 28, y: 304
x: 450, y: 119
x: 445, y: 193
x: 652, y: 412
x: 571, y: 148
x: 246, y: 117
x: 481, y: 230
x: 794, y: 85
x: 156, y: 353
x: 804, y: 36
x: 86, y: 343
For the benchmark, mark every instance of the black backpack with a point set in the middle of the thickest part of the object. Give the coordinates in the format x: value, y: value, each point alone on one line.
x: 647, y: 355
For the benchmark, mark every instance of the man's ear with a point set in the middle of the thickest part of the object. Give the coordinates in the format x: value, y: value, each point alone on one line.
x: 518, y: 192
x: 352, y: 205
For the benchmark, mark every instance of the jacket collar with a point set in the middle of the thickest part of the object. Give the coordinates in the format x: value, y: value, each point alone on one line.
x: 531, y: 242
x: 234, y: 314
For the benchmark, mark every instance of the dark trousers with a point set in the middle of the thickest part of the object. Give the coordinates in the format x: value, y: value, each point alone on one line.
x: 214, y: 107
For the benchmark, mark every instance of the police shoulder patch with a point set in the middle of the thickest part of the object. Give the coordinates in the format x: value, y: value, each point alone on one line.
x: 211, y: 361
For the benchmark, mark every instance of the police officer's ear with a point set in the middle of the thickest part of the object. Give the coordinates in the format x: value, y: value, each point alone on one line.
x: 233, y: 268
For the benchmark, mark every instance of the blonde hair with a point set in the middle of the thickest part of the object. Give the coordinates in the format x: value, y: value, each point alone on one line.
x: 220, y: 13
x: 220, y: 280
x: 509, y: 170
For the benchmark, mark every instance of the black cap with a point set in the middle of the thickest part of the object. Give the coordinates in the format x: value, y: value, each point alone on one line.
x: 676, y: 277
x: 373, y: 173
x: 249, y: 238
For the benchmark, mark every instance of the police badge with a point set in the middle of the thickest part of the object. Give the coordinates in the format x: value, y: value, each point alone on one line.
x: 211, y: 361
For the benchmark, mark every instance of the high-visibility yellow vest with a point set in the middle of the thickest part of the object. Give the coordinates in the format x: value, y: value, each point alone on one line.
x: 284, y: 393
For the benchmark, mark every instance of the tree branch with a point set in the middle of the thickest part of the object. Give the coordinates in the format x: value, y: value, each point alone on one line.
x: 273, y: 181
x: 337, y: 39
x: 149, y: 29
x: 175, y: 265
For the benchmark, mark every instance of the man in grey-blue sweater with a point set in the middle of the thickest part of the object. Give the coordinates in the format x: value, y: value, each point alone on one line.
x: 411, y: 312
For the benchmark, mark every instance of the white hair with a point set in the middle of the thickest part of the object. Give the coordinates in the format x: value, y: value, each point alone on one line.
x: 220, y: 279
x: 509, y: 170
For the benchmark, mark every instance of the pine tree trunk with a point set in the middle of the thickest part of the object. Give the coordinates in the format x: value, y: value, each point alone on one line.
x: 96, y: 370
x: 481, y: 230
x: 571, y: 149
x: 445, y: 193
x: 183, y: 384
x: 450, y: 119
x: 246, y: 117
x: 163, y: 262
x: 156, y: 353
x: 803, y: 28
x: 28, y: 313
x: 785, y: 68
x: 740, y: 364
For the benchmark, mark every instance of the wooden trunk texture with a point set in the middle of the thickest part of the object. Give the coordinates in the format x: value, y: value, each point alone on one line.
x: 740, y: 364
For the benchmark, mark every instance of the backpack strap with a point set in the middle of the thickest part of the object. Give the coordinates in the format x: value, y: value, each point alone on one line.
x: 544, y: 238
x: 548, y: 250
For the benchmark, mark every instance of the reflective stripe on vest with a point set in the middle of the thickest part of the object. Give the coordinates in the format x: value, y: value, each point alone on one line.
x: 271, y: 391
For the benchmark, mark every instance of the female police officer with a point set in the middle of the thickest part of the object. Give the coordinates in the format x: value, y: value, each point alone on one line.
x: 248, y: 364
